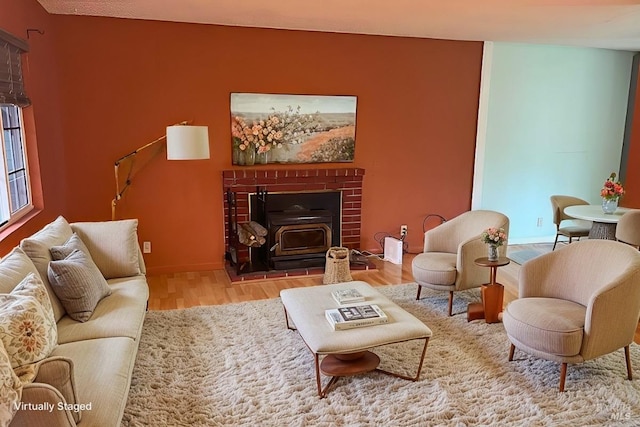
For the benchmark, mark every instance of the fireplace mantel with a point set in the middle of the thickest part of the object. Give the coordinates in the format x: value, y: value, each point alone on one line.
x: 243, y: 182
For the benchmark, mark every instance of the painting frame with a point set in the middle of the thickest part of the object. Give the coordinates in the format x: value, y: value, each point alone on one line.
x: 292, y: 129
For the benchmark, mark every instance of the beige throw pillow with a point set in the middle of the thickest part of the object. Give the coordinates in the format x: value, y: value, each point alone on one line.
x: 113, y: 245
x: 27, y: 327
x: 78, y: 284
x: 10, y: 389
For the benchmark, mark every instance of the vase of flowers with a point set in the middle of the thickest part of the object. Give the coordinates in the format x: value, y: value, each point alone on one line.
x: 494, y: 237
x: 611, y: 192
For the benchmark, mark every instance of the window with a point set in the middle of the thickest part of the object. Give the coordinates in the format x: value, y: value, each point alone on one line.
x: 15, y: 190
x: 14, y: 176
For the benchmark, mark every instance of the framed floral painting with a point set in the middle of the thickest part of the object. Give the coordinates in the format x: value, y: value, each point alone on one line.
x: 272, y: 128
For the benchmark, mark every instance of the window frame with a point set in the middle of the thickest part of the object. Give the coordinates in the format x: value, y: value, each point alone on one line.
x: 5, y: 192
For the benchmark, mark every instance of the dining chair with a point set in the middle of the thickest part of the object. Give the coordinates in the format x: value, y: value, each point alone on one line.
x: 570, y: 230
x: 628, y: 228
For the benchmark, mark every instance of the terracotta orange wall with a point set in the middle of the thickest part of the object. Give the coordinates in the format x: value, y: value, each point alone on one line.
x: 42, y: 119
x: 632, y: 180
x: 122, y: 81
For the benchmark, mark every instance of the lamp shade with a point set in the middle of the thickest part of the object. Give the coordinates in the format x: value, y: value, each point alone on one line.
x: 187, y: 142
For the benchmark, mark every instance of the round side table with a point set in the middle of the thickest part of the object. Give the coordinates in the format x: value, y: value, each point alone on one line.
x: 492, y: 293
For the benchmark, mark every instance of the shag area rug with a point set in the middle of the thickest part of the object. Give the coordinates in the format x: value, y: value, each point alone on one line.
x: 238, y: 365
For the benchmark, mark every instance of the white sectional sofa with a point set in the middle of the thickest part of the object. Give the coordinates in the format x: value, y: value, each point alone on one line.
x: 85, y: 378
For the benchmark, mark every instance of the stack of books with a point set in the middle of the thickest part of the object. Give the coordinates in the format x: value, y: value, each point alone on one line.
x: 347, y: 296
x: 355, y: 316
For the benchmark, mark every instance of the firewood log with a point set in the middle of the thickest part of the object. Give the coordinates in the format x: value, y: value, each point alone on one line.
x: 258, y: 229
x: 246, y: 236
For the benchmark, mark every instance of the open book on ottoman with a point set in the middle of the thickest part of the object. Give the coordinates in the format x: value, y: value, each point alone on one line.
x: 355, y: 316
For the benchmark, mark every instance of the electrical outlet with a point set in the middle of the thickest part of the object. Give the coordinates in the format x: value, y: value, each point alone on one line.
x: 539, y: 223
x: 146, y: 247
x: 403, y: 230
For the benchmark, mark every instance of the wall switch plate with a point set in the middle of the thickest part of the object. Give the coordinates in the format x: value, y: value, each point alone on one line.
x: 393, y: 250
x: 146, y: 247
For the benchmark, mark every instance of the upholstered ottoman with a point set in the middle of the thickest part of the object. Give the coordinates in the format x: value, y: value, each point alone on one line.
x: 345, y: 351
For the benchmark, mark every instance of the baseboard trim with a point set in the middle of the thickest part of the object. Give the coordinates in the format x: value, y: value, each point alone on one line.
x: 168, y: 269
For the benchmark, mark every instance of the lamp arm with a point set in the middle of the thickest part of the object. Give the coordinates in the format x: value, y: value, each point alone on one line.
x: 120, y: 192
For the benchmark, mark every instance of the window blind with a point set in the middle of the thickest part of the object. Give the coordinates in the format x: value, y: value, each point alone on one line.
x: 11, y: 83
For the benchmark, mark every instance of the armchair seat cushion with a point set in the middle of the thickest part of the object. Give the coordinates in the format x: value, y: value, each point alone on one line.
x: 549, y: 325
x: 436, y: 268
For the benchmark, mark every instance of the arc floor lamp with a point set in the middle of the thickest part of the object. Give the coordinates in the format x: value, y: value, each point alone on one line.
x: 184, y: 142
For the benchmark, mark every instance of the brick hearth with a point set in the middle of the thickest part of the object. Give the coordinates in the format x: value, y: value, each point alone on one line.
x: 347, y: 180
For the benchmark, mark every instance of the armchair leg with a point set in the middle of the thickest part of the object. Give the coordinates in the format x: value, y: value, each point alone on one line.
x: 628, y: 357
x: 419, y: 290
x: 563, y: 376
x: 450, y: 303
x: 555, y: 243
x: 512, y: 350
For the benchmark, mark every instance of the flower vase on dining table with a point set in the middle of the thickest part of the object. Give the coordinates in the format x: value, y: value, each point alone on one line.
x: 609, y: 206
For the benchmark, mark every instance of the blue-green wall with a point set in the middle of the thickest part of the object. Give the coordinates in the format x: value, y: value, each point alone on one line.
x: 551, y: 122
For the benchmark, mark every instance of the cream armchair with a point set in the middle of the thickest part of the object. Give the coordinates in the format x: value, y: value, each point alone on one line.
x: 577, y: 303
x: 447, y: 263
x: 628, y: 228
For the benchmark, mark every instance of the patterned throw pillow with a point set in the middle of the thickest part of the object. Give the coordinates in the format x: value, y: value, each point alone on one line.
x: 78, y: 284
x: 27, y: 325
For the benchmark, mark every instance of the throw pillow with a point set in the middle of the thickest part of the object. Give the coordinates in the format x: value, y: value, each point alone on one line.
x: 63, y: 251
x: 32, y: 286
x: 10, y: 389
x: 37, y: 248
x: 78, y: 284
x: 113, y: 245
x: 27, y: 327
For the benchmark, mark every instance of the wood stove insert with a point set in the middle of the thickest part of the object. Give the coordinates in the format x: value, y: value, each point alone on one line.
x: 301, y: 226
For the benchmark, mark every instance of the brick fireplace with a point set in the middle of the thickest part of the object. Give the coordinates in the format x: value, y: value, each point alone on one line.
x: 244, y: 184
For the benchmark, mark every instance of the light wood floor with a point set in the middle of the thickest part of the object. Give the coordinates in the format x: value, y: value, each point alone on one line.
x: 183, y: 290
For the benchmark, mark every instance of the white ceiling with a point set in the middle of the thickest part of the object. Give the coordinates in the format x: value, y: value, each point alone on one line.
x: 613, y: 24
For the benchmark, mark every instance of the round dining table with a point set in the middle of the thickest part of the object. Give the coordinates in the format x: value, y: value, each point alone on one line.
x: 603, y: 226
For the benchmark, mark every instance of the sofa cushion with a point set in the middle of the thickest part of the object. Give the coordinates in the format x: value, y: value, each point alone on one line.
x: 549, y: 325
x: 120, y: 315
x: 10, y: 389
x: 113, y: 246
x: 27, y: 325
x: 436, y: 268
x: 78, y: 284
x: 37, y: 248
x: 102, y: 370
x: 14, y: 267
